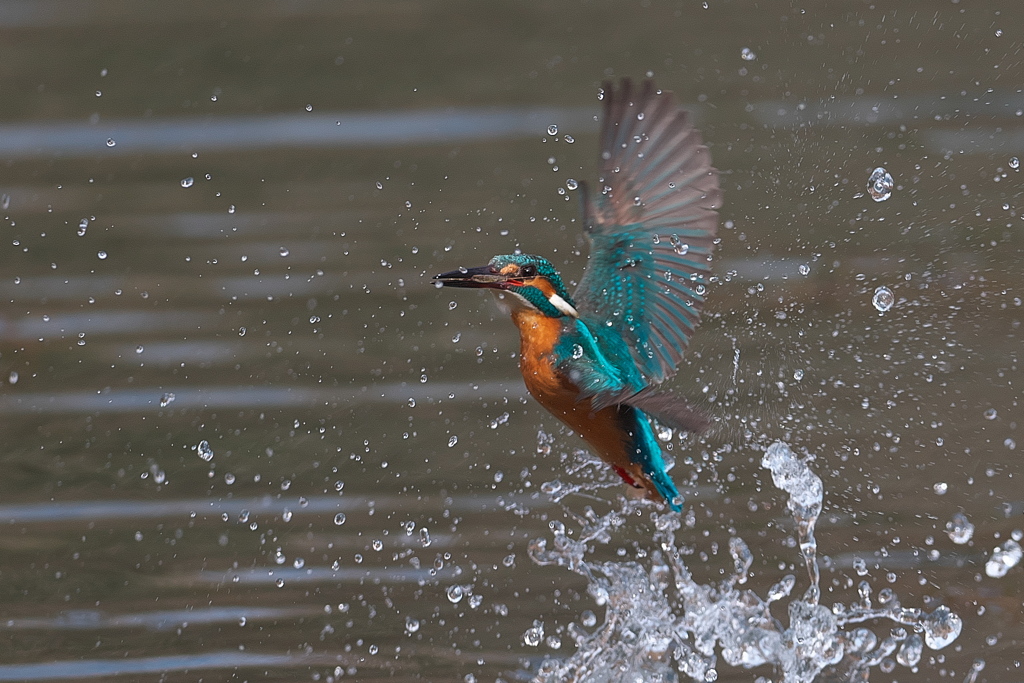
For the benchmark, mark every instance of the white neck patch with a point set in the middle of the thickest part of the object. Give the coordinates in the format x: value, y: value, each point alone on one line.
x: 563, y: 306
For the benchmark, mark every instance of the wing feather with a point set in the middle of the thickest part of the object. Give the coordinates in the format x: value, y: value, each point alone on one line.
x: 651, y: 227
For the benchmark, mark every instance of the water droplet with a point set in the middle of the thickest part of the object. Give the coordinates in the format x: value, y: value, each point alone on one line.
x: 1004, y: 558
x: 571, y: 184
x: 1014, y: 163
x: 535, y: 634
x: 940, y: 488
x: 569, y: 139
x: 412, y: 625
x: 101, y: 255
x: 552, y: 487
x: 552, y: 129
x: 309, y: 107
x: 5, y: 202
x: 299, y: 563
x: 283, y: 251
x: 880, y: 184
x: 339, y: 518
x: 860, y: 566
x: 241, y: 331
x: 960, y: 529
x: 941, y: 627
x: 424, y: 537
x: 588, y: 619
x: 910, y: 652
x: 229, y: 478
x: 783, y: 588
x: 83, y: 225
x: 231, y: 209
x: 748, y: 55
x: 279, y: 583
x: 991, y: 414
x: 804, y: 269
x: 140, y: 348
x: 452, y: 305
x: 665, y: 434
x: 577, y: 351
x: 452, y: 441
x: 378, y: 544
x: 798, y: 374
x: 204, y: 450
x: 883, y: 299
x: 187, y: 182
x: 110, y: 142
x: 166, y: 400
x: 1010, y: 444
x: 454, y: 593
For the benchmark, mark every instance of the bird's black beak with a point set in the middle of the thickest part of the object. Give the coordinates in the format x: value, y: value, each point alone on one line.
x: 484, y: 276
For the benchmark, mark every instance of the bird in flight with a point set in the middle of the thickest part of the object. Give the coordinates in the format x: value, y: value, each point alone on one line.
x: 596, y: 358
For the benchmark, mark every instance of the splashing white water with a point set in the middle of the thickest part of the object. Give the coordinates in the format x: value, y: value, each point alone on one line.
x: 660, y: 621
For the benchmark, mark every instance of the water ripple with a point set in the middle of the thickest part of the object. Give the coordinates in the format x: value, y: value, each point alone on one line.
x: 248, y: 397
x: 95, y: 668
x: 88, y: 619
x: 275, y: 131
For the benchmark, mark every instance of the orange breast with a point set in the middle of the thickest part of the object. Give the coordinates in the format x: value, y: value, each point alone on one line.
x: 604, y: 430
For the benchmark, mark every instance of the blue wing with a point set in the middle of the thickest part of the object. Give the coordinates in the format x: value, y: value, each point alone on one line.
x: 651, y: 228
x: 599, y: 367
x: 595, y: 368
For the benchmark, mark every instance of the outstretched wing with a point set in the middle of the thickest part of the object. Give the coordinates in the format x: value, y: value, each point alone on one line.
x: 651, y: 226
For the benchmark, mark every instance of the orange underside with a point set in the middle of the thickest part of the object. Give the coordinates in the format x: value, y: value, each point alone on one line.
x: 603, y: 430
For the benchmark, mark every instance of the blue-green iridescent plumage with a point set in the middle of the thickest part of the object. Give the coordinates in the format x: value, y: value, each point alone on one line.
x: 651, y: 225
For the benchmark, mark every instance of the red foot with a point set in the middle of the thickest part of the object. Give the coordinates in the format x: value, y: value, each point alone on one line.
x: 626, y: 478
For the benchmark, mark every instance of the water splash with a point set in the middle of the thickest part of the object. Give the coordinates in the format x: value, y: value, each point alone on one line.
x: 660, y: 621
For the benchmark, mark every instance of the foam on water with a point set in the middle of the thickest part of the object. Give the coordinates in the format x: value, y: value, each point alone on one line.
x: 660, y: 622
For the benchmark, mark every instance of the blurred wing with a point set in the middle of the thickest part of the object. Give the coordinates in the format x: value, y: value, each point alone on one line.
x: 651, y: 225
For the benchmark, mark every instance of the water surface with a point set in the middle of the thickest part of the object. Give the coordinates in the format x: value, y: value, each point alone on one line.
x: 220, y: 224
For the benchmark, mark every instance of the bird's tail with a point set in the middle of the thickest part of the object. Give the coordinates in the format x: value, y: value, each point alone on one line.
x: 647, y: 454
x: 664, y: 484
x: 665, y: 487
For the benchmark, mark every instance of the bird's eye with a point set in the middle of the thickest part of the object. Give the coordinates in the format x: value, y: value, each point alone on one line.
x: 528, y: 271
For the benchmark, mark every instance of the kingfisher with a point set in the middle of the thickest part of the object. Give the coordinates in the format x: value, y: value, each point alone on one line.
x: 596, y: 357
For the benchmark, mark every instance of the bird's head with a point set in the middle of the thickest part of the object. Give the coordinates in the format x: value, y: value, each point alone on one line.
x: 531, y: 281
